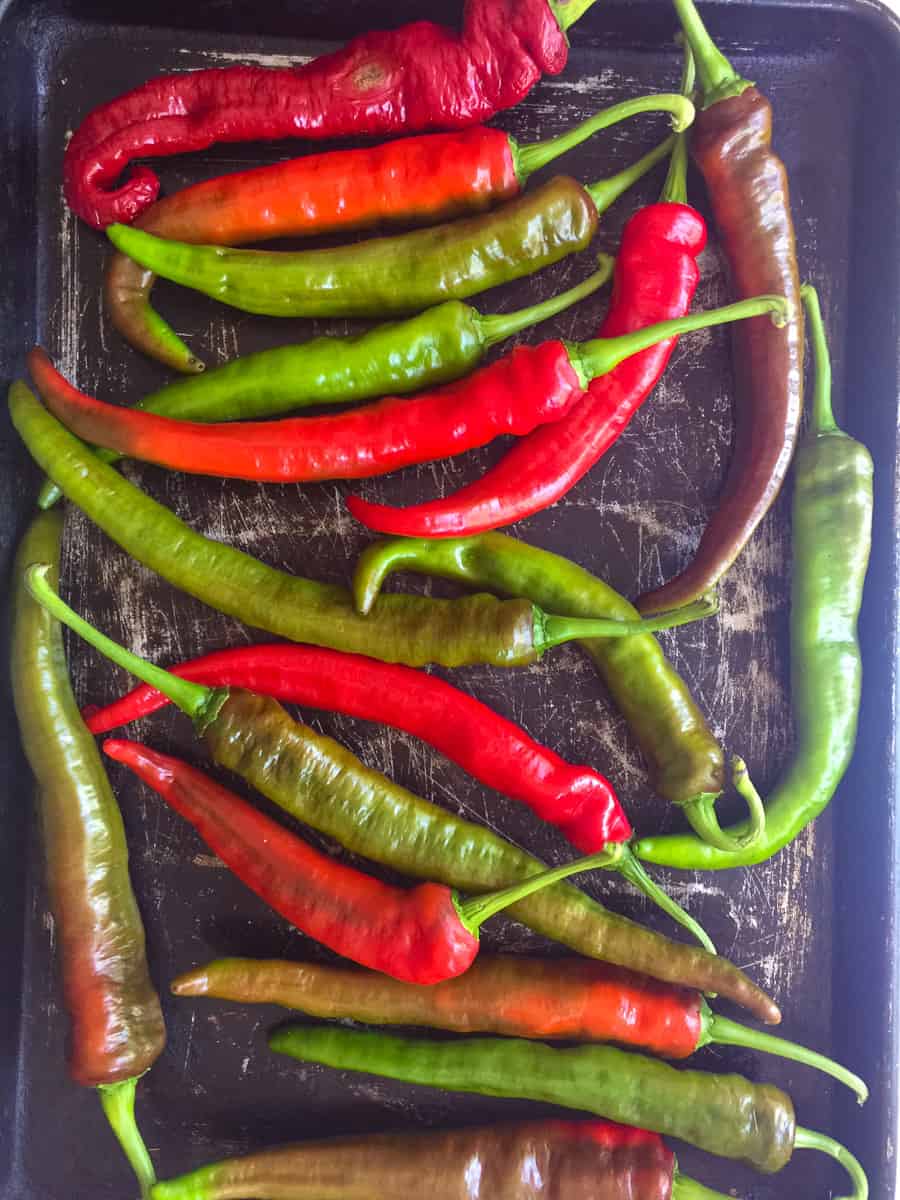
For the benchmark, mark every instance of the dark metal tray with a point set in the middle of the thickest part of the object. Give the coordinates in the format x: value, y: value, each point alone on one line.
x: 817, y: 926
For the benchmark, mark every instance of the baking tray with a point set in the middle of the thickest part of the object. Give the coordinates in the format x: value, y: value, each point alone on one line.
x: 817, y: 926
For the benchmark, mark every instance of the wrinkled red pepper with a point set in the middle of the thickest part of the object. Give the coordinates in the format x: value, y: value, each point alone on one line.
x: 578, y: 800
x: 420, y: 76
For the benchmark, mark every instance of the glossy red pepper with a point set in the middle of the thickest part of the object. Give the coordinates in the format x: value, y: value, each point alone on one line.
x: 420, y: 935
x: 420, y: 76
x: 500, y: 754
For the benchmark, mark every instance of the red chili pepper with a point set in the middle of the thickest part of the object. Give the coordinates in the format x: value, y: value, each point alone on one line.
x: 420, y: 76
x: 655, y: 279
x: 578, y: 800
x: 421, y: 935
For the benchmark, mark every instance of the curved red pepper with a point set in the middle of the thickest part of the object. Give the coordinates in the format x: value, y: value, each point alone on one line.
x: 420, y: 76
x: 655, y: 279
x: 578, y: 800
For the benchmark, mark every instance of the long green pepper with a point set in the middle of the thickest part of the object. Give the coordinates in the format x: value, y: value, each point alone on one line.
x: 832, y: 537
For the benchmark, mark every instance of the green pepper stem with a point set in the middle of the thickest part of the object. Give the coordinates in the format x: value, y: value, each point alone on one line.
x: 629, y: 868
x: 557, y: 630
x: 567, y: 12
x: 473, y: 913
x: 701, y: 813
x: 822, y: 414
x: 498, y: 326
x: 809, y: 1139
x: 605, y: 192
x: 721, y: 1031
x: 200, y: 703
x: 529, y: 159
x: 603, y: 355
x: 118, y: 1104
x: 718, y: 78
x: 675, y: 188
x: 685, y: 1188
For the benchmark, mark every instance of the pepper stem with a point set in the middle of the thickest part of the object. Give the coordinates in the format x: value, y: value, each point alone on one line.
x: 809, y: 1139
x: 822, y: 415
x: 528, y: 159
x: 473, y: 913
x: 718, y: 78
x: 498, y: 326
x: 605, y: 192
x: 685, y: 1188
x: 556, y: 630
x: 675, y: 188
x: 603, y: 355
x: 723, y: 1032
x: 118, y: 1104
x: 201, y: 704
x: 700, y: 811
x: 629, y: 868
x: 567, y: 12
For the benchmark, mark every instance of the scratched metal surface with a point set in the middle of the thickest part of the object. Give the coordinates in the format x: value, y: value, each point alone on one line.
x: 634, y: 521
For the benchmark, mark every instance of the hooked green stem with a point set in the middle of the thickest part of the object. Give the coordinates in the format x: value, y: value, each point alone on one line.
x: 603, y: 355
x: 567, y: 12
x: 503, y: 325
x: 118, y: 1104
x: 685, y: 1188
x: 605, y: 192
x: 200, y: 703
x: 557, y: 630
x: 529, y: 159
x: 675, y: 188
x: 718, y: 78
x: 822, y: 415
x: 701, y: 813
x: 473, y: 913
x: 809, y: 1139
x: 721, y: 1031
x: 629, y: 868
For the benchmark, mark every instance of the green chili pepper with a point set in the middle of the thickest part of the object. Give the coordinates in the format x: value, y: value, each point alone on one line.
x: 724, y: 1114
x: 319, y: 782
x: 117, y: 1025
x: 412, y: 630
x: 832, y: 536
x: 686, y: 760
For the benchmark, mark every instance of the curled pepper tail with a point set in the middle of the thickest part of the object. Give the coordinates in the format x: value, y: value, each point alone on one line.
x: 701, y: 813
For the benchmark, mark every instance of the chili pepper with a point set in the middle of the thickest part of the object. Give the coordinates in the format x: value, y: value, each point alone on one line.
x: 724, y: 1114
x: 832, y: 537
x: 495, y: 751
x: 117, y: 1030
x: 403, y: 629
x: 512, y: 995
x: 525, y: 388
x: 686, y: 761
x: 420, y: 935
x: 584, y: 1160
x: 398, y: 274
x: 297, y: 769
x: 415, y: 180
x: 420, y: 76
x: 748, y: 190
x: 434, y: 347
x: 655, y: 279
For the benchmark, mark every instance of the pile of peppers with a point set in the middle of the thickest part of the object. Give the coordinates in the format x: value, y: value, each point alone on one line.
x: 455, y: 218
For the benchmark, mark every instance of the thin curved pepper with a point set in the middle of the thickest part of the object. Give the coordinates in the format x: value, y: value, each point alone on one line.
x: 524, y: 389
x: 418, y: 180
x: 117, y: 1030
x: 512, y: 995
x: 748, y: 190
x: 497, y: 752
x: 398, y: 274
x: 297, y: 769
x: 584, y: 1160
x: 686, y: 761
x: 420, y: 76
x: 420, y: 935
x: 832, y: 537
x: 414, y: 631
x: 434, y: 347
x: 723, y: 1114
